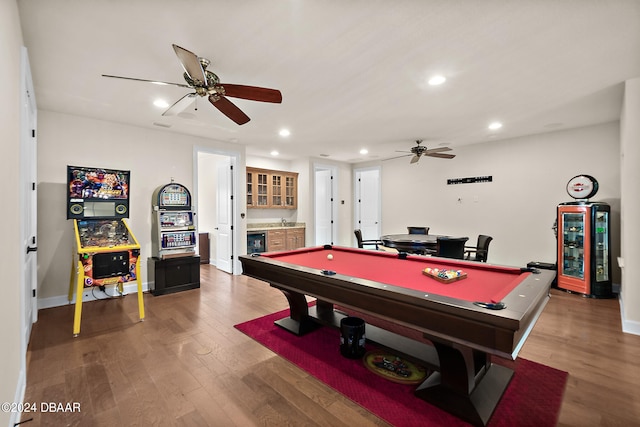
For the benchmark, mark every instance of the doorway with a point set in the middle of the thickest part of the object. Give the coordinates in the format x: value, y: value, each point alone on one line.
x: 368, y: 208
x: 324, y: 206
x: 28, y: 208
x: 216, y: 202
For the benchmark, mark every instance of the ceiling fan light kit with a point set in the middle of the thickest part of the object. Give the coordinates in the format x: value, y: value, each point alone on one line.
x: 207, y: 84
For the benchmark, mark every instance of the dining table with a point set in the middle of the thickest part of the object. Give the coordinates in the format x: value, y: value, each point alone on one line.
x: 412, y: 243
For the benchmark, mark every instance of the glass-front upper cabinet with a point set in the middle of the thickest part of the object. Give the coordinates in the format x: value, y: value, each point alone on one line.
x: 272, y: 189
x: 263, y: 190
x: 601, y: 256
x: 249, y: 188
x: 276, y: 190
x: 573, y: 236
x: 291, y: 189
x: 257, y: 189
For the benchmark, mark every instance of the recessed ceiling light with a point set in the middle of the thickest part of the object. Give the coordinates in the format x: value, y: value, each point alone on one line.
x: 161, y: 103
x: 364, y: 151
x: 274, y: 153
x: 495, y: 125
x: 284, y: 132
x: 437, y: 80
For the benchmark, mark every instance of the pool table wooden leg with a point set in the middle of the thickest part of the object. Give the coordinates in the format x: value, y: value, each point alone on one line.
x: 299, y: 322
x: 468, y: 385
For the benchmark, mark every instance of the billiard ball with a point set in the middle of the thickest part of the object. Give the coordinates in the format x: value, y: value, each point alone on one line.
x: 329, y: 256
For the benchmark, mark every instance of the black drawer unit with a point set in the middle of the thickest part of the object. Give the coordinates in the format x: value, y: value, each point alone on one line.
x: 173, y: 274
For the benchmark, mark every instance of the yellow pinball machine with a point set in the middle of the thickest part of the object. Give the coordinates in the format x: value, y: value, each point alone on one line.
x: 106, y: 252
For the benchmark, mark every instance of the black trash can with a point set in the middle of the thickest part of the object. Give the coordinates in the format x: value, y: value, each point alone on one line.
x: 352, y: 337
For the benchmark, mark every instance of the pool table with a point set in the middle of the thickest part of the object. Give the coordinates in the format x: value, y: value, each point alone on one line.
x: 489, y: 312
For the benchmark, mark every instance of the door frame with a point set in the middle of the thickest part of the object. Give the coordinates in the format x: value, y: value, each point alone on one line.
x: 356, y: 197
x: 334, y: 191
x: 28, y: 154
x: 224, y: 173
x: 28, y: 227
x: 236, y: 216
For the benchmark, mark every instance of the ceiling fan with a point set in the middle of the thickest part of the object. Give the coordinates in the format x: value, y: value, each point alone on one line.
x: 206, y: 83
x: 420, y: 150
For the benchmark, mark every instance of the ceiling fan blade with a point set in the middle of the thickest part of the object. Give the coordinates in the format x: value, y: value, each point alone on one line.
x: 414, y: 159
x: 229, y: 109
x: 252, y: 93
x: 157, y: 82
x: 396, y: 157
x: 440, y: 155
x: 191, y: 65
x: 437, y: 150
x: 180, y: 105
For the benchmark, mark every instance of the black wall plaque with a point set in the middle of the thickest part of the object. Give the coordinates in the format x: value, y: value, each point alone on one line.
x: 470, y: 180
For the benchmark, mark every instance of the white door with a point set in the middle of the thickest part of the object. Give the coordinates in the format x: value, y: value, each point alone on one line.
x: 224, y: 216
x: 323, y: 207
x: 28, y: 195
x: 368, y: 208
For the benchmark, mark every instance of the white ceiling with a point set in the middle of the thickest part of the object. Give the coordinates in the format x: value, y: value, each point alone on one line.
x: 352, y: 72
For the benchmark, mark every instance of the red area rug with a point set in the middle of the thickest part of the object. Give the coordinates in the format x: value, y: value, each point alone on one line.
x: 533, y: 397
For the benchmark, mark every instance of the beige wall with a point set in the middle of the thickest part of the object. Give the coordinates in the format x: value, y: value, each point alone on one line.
x: 153, y: 156
x: 518, y: 208
x: 630, y: 178
x: 11, y: 382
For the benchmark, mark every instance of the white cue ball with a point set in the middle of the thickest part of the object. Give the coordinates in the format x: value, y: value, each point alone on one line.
x: 329, y: 256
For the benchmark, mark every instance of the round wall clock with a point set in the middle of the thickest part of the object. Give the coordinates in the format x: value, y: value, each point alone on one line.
x: 582, y: 187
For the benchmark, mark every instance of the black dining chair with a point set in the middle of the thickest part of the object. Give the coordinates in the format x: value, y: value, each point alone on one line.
x: 363, y: 243
x: 451, y: 247
x: 418, y: 230
x: 480, y: 252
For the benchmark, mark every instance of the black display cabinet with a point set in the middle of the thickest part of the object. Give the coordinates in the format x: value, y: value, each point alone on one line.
x: 173, y: 274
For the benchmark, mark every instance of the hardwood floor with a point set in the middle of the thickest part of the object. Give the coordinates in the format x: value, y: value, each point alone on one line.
x: 187, y: 366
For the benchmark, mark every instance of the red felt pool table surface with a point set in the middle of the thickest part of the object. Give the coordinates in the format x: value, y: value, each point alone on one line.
x: 484, y: 282
x: 393, y: 287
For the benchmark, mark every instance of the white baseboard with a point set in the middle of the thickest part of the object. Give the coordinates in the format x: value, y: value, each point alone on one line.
x: 88, y: 295
x: 628, y: 326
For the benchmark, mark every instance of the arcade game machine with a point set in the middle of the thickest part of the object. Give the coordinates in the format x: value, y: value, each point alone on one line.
x: 105, y: 252
x: 174, y: 266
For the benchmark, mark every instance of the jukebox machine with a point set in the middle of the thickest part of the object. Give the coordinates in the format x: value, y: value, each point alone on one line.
x: 584, y: 241
x: 174, y: 266
x: 105, y: 251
